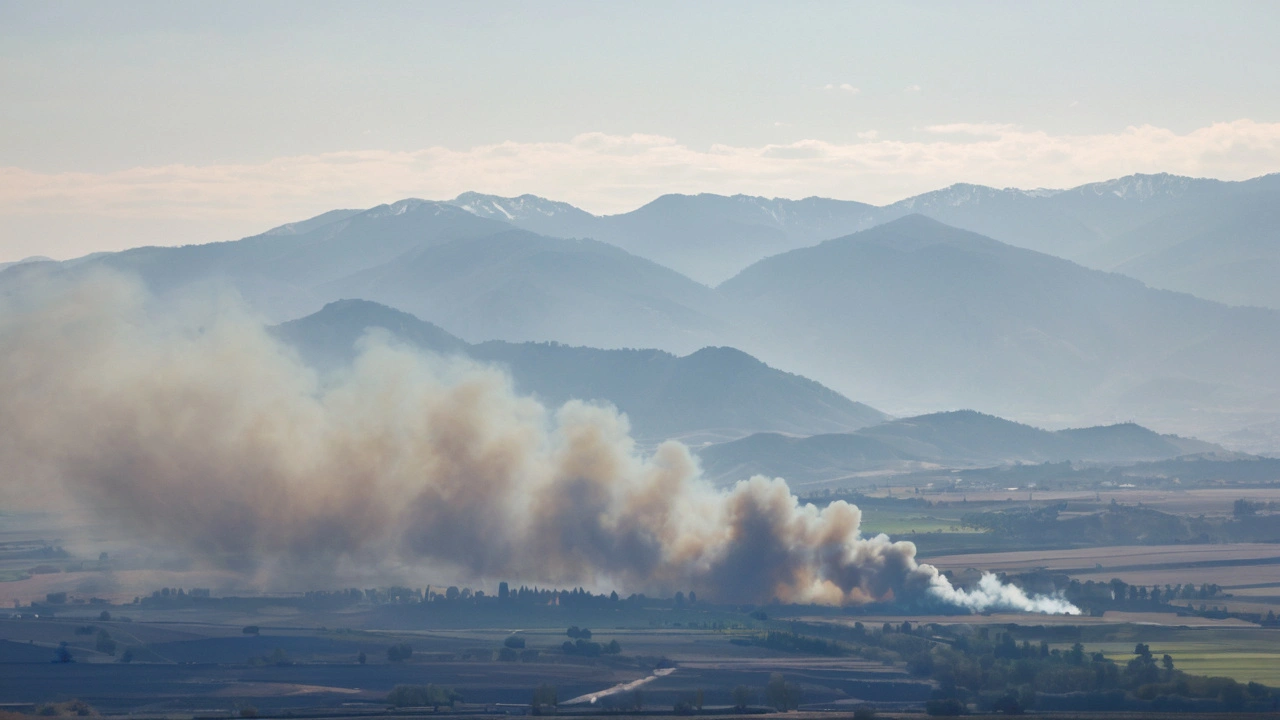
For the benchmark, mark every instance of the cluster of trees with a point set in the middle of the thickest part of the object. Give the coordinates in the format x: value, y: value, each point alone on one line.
x: 1118, y: 524
x: 277, y: 657
x: 998, y: 674
x: 778, y: 694
x: 588, y: 648
x: 791, y: 642
x: 994, y: 671
x: 1119, y: 593
x: 164, y: 595
x: 513, y: 649
x: 432, y: 696
x: 399, y: 652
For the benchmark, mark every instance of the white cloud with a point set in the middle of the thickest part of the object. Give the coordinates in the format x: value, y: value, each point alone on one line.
x: 64, y: 214
x: 868, y: 135
x: 911, y: 89
x: 842, y: 87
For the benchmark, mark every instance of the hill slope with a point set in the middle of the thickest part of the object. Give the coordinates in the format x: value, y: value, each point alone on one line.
x: 955, y: 439
x: 707, y: 237
x: 715, y: 393
x: 475, y: 275
x: 926, y: 314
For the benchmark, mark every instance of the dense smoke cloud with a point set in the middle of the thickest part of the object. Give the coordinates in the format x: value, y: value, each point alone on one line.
x: 196, y: 429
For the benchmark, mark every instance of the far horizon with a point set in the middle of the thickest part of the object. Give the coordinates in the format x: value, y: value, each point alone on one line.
x: 1041, y: 190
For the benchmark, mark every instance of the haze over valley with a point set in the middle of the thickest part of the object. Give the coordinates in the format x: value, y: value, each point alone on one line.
x: 395, y: 361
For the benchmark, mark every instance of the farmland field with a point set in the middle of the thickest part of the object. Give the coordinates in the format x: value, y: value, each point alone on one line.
x: 1101, y: 559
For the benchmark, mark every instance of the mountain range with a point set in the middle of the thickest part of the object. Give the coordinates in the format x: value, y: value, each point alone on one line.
x: 715, y: 393
x: 900, y: 311
x: 937, y: 316
x: 1215, y: 239
x: 952, y: 439
x: 707, y: 237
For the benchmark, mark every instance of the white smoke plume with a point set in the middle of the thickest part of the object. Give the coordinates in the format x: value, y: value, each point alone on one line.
x: 196, y: 429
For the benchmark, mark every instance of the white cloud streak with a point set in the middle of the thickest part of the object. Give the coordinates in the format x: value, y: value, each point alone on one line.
x: 842, y: 87
x: 599, y: 172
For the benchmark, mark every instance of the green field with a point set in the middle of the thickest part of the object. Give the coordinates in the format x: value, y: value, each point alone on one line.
x: 13, y: 575
x: 1245, y: 662
x: 890, y: 522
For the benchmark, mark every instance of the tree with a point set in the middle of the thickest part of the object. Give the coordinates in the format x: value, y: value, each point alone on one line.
x: 514, y: 642
x: 1244, y: 508
x: 742, y: 697
x: 63, y: 654
x: 251, y: 630
x: 361, y: 658
x: 104, y: 616
x: 781, y: 694
x: 104, y: 643
x: 399, y: 653
x: 544, y: 699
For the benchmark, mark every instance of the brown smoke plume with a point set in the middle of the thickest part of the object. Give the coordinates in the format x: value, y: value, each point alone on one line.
x: 195, y: 428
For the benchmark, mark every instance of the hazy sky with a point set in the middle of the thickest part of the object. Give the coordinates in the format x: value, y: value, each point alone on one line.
x: 172, y: 122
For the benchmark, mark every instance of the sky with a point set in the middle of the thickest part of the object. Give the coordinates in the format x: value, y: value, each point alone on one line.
x: 132, y: 123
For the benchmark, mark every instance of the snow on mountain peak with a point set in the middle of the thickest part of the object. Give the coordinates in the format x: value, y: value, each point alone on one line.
x: 1141, y: 187
x: 407, y: 205
x: 510, y: 208
x: 961, y: 194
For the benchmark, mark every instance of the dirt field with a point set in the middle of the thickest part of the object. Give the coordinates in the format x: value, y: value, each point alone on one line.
x: 1210, y: 501
x: 1083, y: 559
x: 1109, y: 618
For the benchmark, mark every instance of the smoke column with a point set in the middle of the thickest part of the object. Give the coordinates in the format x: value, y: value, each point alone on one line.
x: 195, y: 428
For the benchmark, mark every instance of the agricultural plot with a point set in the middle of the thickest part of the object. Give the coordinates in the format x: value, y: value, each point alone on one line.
x: 1131, y: 558
x: 1242, y: 660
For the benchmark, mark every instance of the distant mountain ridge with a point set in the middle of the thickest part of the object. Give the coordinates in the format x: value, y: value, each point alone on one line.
x: 949, y: 317
x: 707, y: 237
x: 962, y: 438
x: 1126, y: 224
x: 714, y: 393
x: 910, y: 315
x: 482, y: 278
